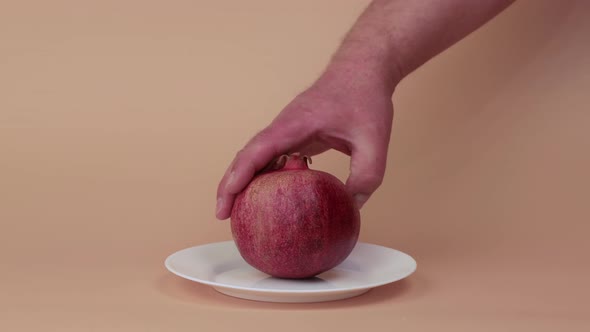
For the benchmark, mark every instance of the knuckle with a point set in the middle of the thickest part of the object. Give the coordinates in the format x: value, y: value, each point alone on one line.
x: 368, y: 178
x: 372, y: 180
x: 261, y: 141
x: 240, y: 154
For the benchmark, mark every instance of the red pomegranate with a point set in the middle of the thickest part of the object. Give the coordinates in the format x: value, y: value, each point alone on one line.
x: 293, y: 222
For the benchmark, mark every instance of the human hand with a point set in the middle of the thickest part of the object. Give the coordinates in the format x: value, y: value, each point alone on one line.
x: 349, y: 108
x: 345, y: 110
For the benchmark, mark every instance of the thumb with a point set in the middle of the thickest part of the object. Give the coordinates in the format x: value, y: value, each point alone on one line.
x: 367, y: 168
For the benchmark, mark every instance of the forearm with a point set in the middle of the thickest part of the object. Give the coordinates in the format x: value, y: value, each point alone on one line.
x: 394, y: 37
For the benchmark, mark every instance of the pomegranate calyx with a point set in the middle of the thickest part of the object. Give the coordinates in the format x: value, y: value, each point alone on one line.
x: 294, y: 161
x: 288, y: 162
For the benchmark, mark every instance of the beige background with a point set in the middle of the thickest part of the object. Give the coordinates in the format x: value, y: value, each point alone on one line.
x: 117, y: 118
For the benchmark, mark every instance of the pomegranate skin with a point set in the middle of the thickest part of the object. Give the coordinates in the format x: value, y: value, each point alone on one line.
x: 294, y: 222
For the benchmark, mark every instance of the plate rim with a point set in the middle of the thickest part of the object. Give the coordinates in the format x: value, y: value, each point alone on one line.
x: 213, y: 284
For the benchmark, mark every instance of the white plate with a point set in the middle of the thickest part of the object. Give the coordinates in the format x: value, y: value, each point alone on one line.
x: 220, y: 265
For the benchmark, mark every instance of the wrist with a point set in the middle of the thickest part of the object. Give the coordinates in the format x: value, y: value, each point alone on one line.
x: 357, y: 74
x: 353, y: 77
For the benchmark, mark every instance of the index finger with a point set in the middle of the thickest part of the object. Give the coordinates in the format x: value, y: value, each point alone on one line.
x: 260, y: 150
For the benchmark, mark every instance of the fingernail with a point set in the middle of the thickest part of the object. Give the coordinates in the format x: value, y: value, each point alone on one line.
x: 361, y: 199
x: 219, y: 206
x: 230, y: 179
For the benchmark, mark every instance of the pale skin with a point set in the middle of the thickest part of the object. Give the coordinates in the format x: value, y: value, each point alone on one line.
x: 349, y: 107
